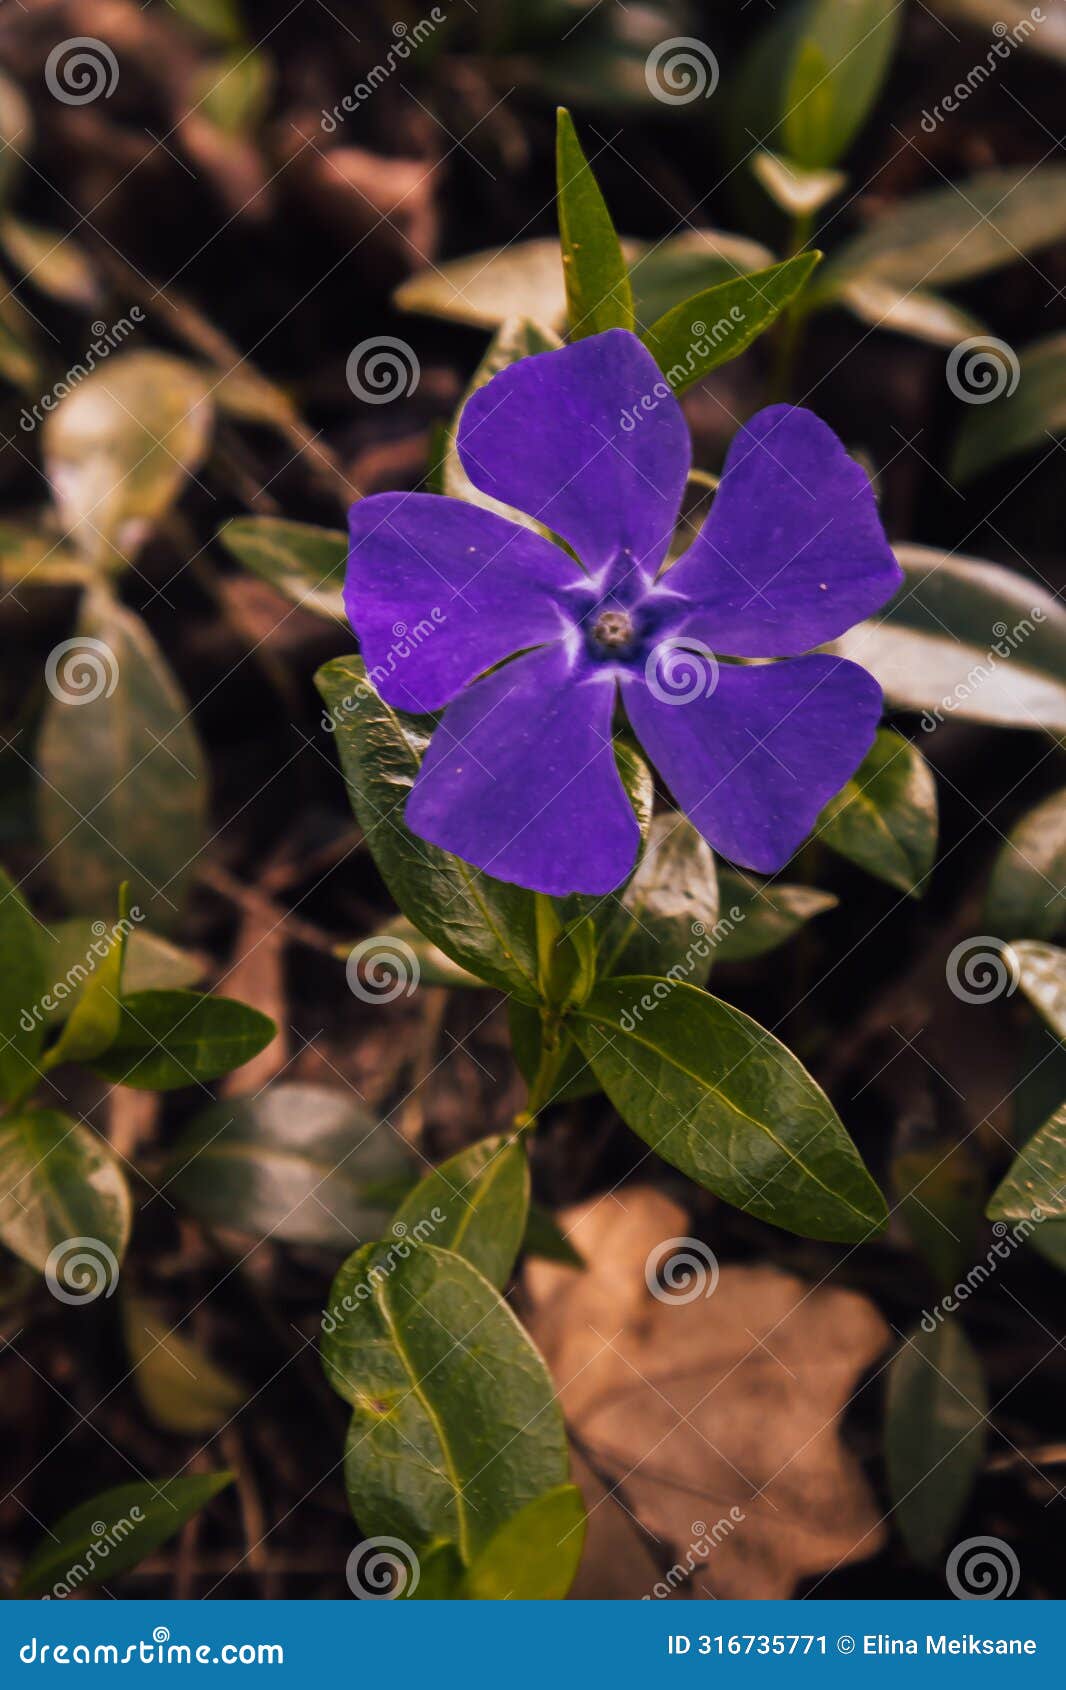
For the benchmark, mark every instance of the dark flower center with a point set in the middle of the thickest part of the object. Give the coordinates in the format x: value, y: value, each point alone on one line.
x: 613, y: 630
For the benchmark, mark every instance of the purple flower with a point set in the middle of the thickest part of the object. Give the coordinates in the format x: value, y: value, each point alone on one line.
x: 520, y: 776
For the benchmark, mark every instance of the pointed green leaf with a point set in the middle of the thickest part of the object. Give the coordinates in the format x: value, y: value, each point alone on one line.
x: 885, y: 818
x: 1029, y: 411
x: 940, y: 1191
x: 64, y: 1203
x: 455, y: 1426
x: 181, y: 1388
x: 481, y: 923
x: 1027, y: 891
x: 934, y: 1434
x: 664, y: 920
x: 94, y: 1020
x: 1036, y: 1179
x: 171, y: 1039
x: 545, y: 1239
x: 798, y: 191
x: 1040, y: 970
x: 72, y: 950
x: 720, y: 1098
x: 598, y: 293
x: 913, y: 311
x: 534, y: 1556
x: 23, y: 984
x: 517, y: 338
x: 474, y: 1204
x: 51, y: 261
x: 301, y: 561
x: 758, y: 916
x: 712, y: 327
x: 111, y: 1532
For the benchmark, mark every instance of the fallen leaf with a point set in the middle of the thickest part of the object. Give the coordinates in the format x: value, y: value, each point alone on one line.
x: 715, y: 1410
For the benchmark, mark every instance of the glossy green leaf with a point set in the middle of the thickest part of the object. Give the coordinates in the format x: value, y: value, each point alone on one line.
x: 720, y: 1098
x: 474, y: 1204
x: 119, y: 447
x: 1036, y: 1180
x: 297, y: 1162
x: 664, y: 920
x: 1028, y: 413
x: 1027, y: 890
x: 23, y: 984
x: 969, y: 640
x: 812, y: 76
x: 51, y: 261
x: 951, y: 234
x: 481, y: 923
x: 455, y: 1426
x: 759, y: 915
x: 525, y: 278
x: 1040, y: 970
x: 93, y: 1022
x: 940, y: 1191
x: 534, y: 1556
x: 516, y: 338
x: 885, y: 818
x: 112, y: 1532
x: 719, y: 324
x: 72, y: 949
x: 171, y: 1039
x: 934, y: 1434
x: 64, y: 1202
x: 181, y: 1388
x: 440, y: 1576
x: 574, y: 1078
x: 598, y: 292
x: 123, y: 792
x: 301, y: 561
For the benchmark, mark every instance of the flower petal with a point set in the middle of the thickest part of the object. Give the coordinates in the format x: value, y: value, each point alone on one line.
x: 753, y: 763
x: 438, y: 591
x: 793, y: 552
x: 520, y: 780
x: 590, y: 440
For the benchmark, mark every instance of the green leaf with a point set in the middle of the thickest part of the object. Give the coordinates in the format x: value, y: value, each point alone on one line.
x: 234, y: 90
x: 534, y: 1556
x: 111, y: 1532
x: 483, y: 924
x: 517, y: 338
x: 598, y: 292
x: 798, y: 191
x: 23, y: 984
x: 712, y: 327
x: 73, y: 948
x: 474, y: 1204
x: 1030, y: 409
x: 220, y: 19
x: 934, y: 1434
x: 967, y: 639
x: 123, y: 792
x: 303, y: 562
x: 119, y: 447
x: 885, y: 818
x: 758, y: 916
x: 544, y: 1239
x: 64, y: 1202
x: 525, y: 278
x: 171, y: 1039
x: 181, y: 1388
x: 940, y: 1191
x: 1018, y: 17
x: 720, y: 1098
x: 953, y: 234
x: 301, y: 1163
x: 434, y: 968
x: 1035, y: 1184
x: 1026, y: 891
x: 51, y: 261
x: 665, y: 918
x: 913, y: 311
x: 1040, y: 970
x: 30, y: 557
x: 455, y: 1426
x: 94, y: 1019
x: 574, y: 1078
x: 812, y: 78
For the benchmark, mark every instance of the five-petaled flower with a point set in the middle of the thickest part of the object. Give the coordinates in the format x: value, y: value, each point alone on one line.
x: 535, y: 649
